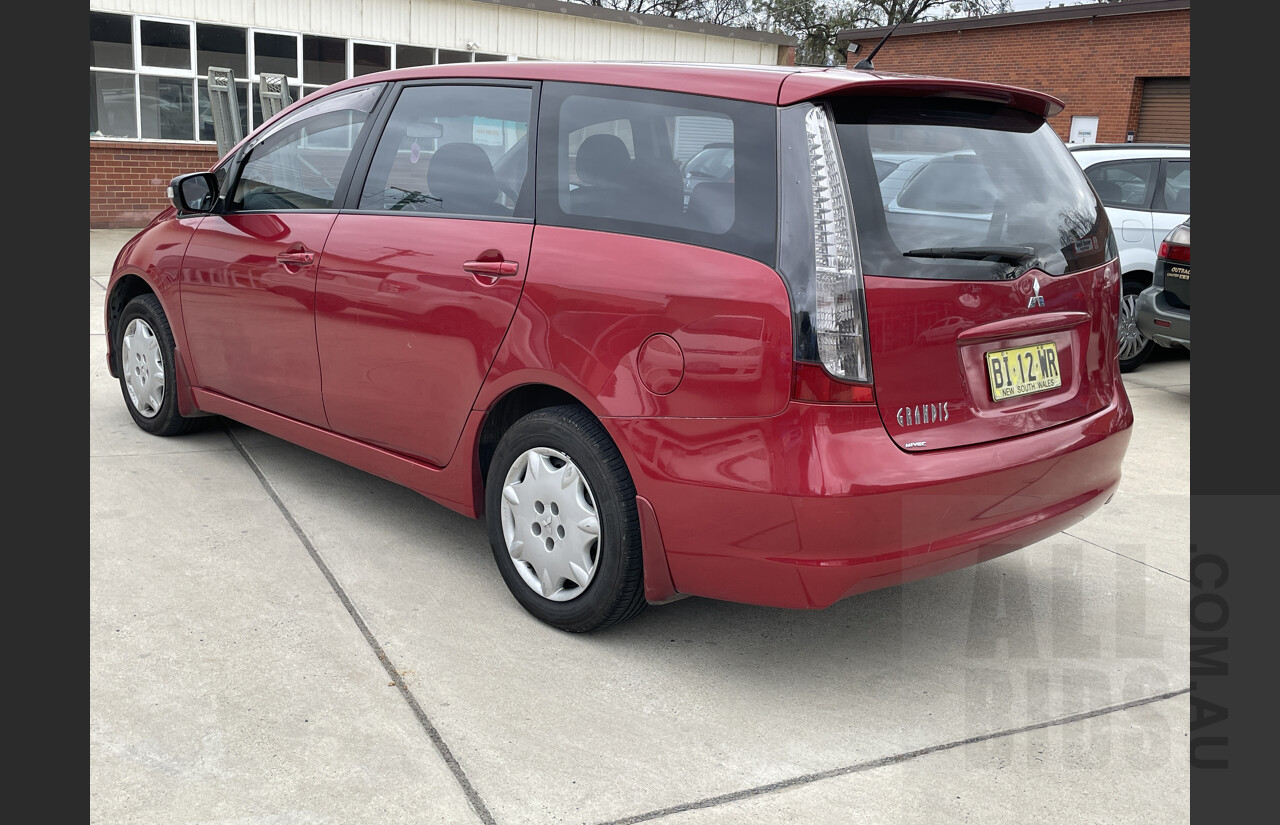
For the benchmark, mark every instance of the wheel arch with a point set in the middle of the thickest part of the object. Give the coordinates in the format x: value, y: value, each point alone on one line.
x: 505, y: 411
x: 124, y: 289
x: 1138, y: 274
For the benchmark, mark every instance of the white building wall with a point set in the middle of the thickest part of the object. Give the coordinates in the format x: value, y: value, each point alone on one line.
x: 452, y: 24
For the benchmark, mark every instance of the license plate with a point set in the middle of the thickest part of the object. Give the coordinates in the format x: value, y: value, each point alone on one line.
x: 1023, y: 370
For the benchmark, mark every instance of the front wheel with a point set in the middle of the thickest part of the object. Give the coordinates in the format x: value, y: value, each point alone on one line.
x: 1134, y: 346
x: 560, y: 508
x: 148, y: 377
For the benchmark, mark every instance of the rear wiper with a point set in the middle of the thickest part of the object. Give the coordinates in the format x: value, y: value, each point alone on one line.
x: 1007, y: 254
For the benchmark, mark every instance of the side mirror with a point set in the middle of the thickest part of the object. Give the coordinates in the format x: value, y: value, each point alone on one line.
x: 196, y: 192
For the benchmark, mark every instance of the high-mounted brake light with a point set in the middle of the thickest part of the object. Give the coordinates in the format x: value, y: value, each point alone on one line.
x: 840, y: 315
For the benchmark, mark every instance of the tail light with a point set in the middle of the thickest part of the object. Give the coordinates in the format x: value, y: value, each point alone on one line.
x: 818, y: 260
x: 1175, y: 252
x: 840, y: 317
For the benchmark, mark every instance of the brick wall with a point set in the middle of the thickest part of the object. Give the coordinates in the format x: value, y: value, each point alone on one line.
x: 1093, y: 65
x: 127, y: 179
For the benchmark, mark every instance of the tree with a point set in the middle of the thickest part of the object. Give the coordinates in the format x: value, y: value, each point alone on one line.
x: 814, y: 23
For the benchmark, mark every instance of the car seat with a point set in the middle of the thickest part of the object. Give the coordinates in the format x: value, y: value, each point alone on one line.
x: 605, y: 171
x: 461, y: 176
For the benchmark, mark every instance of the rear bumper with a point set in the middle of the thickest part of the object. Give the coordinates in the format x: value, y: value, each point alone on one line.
x: 817, y: 504
x: 1174, y: 329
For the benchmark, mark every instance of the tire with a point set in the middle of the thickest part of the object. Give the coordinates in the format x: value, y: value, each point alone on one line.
x: 1134, y: 347
x: 560, y: 507
x: 148, y: 378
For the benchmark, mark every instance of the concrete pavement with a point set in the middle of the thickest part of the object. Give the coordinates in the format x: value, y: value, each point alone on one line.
x: 278, y: 638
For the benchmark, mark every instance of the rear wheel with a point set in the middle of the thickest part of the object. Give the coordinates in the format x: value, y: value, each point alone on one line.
x: 1134, y: 346
x: 148, y: 378
x: 561, y: 512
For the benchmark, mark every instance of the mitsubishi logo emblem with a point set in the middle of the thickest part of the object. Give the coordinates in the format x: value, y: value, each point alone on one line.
x: 1035, y: 300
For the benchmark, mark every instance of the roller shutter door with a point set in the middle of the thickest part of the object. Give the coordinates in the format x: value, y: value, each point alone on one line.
x: 1165, y: 116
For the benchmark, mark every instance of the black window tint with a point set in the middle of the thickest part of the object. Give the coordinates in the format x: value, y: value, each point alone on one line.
x: 679, y: 167
x: 453, y: 149
x: 110, y: 41
x: 275, y: 53
x: 298, y: 163
x: 367, y: 58
x: 414, y: 56
x: 222, y: 46
x: 968, y: 174
x: 165, y: 45
x: 324, y: 60
x: 1127, y: 184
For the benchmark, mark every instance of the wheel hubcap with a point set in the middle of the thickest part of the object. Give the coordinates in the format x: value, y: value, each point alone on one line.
x: 143, y: 368
x: 1131, y: 340
x: 550, y: 524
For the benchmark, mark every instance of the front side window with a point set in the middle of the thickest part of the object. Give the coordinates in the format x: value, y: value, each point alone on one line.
x: 298, y: 163
x: 456, y: 150
x: 977, y: 192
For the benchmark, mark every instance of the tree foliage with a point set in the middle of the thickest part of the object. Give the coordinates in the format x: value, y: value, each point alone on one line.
x: 814, y: 23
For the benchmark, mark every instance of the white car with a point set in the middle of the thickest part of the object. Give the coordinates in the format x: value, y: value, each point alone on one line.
x: 1146, y: 189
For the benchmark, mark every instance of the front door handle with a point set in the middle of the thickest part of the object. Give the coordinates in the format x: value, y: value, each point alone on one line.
x: 303, y: 258
x: 496, y: 269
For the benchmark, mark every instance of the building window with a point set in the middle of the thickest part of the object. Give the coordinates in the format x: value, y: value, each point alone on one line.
x: 224, y: 47
x: 276, y: 54
x: 148, y: 77
x: 165, y: 45
x: 367, y: 58
x: 414, y: 56
x: 324, y: 60
x: 113, y: 105
x: 110, y: 41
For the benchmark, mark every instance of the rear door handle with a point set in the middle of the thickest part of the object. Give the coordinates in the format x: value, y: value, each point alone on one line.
x: 495, y: 269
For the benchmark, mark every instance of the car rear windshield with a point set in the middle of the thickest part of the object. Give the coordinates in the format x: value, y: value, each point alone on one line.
x: 978, y: 191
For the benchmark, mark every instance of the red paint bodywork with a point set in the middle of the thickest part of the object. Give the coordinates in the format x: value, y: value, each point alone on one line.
x: 386, y: 353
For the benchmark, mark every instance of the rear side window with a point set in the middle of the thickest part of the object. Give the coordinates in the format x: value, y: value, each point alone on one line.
x: 453, y: 150
x: 1127, y: 184
x: 977, y: 191
x: 679, y: 167
x: 1177, y: 186
x: 299, y: 163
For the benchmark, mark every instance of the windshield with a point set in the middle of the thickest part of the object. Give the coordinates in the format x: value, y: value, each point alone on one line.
x: 971, y: 182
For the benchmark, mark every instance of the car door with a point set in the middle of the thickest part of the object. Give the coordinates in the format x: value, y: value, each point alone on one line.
x: 249, y: 274
x: 421, y: 275
x: 1126, y: 189
x: 1173, y: 204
